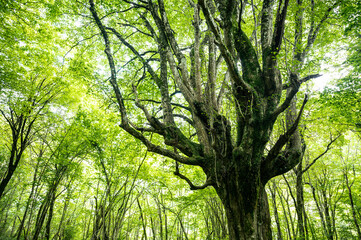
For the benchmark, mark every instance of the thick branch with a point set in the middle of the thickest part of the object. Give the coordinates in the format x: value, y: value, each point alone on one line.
x: 194, y: 160
x: 163, y: 83
x: 145, y: 129
x: 298, y: 35
x: 197, y: 65
x: 154, y: 101
x: 250, y: 65
x: 279, y: 27
x: 113, y: 78
x: 266, y: 26
x: 211, y: 83
x: 230, y: 61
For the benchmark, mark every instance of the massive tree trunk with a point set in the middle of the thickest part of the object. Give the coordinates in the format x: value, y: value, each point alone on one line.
x: 238, y: 182
x: 227, y: 93
x: 247, y: 218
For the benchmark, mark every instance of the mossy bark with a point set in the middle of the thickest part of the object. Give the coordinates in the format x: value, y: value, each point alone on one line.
x: 246, y: 208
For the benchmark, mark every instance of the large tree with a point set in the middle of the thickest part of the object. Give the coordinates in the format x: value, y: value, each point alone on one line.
x: 211, y: 78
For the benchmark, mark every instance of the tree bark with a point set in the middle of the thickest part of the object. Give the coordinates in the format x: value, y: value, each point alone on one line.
x: 246, y: 206
x: 247, y: 220
x: 300, y: 202
x: 50, y: 216
x: 13, y: 163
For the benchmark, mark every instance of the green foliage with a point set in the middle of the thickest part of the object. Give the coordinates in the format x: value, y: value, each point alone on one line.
x: 78, y: 151
x: 342, y: 100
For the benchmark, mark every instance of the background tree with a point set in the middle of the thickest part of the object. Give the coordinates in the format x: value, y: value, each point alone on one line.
x: 21, y: 112
x: 28, y: 83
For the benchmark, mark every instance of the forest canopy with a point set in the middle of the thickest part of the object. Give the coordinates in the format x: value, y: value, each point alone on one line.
x: 189, y: 119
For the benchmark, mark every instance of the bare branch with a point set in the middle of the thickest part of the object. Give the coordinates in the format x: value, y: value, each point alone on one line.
x: 143, y: 129
x: 136, y: 53
x: 283, y: 139
x: 154, y: 101
x: 315, y: 30
x: 295, y: 85
x: 149, y: 27
x: 321, y: 155
x: 135, y: 4
x: 191, y: 185
x: 152, y: 120
x: 188, y: 120
x: 78, y: 43
x: 303, y: 80
x: 137, y: 29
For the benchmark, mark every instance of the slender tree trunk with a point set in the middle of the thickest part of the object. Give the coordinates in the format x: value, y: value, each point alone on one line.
x: 182, y: 229
x: 165, y: 222
x: 50, y: 216
x: 215, y: 219
x: 40, y: 218
x: 160, y: 220
x: 326, y: 205
x: 275, y: 211
x: 32, y: 212
x: 46, y: 209
x: 65, y: 208
x: 21, y: 226
x: 144, y: 224
x: 285, y: 213
x: 354, y: 215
